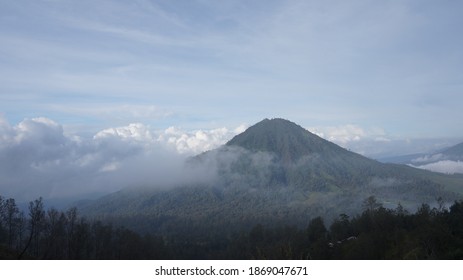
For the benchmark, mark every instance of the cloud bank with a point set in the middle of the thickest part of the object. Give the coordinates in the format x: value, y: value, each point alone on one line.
x: 444, y: 166
x: 38, y: 158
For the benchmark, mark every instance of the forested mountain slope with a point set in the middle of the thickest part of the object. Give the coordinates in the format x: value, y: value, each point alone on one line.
x: 275, y: 172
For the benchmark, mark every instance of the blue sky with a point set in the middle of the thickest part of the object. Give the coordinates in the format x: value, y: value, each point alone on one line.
x: 395, y: 65
x: 375, y: 76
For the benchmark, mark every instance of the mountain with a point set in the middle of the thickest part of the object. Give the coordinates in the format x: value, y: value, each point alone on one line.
x: 288, y: 141
x: 275, y: 172
x: 401, y: 159
x: 449, y: 160
x: 299, y: 151
x: 309, y: 162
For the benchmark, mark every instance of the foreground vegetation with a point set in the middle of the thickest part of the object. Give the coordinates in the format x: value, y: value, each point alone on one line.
x: 376, y: 233
x: 53, y: 234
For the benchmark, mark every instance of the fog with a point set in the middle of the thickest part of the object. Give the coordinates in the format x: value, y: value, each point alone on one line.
x: 237, y: 167
x: 444, y: 166
x: 38, y: 158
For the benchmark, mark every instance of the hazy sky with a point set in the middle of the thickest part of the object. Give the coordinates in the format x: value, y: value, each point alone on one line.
x: 193, y: 73
x: 394, y: 65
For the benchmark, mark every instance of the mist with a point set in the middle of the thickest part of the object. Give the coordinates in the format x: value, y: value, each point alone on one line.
x: 38, y: 158
x: 443, y: 166
x: 233, y: 166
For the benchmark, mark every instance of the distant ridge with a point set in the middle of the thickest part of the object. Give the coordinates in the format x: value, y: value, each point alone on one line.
x: 454, y: 151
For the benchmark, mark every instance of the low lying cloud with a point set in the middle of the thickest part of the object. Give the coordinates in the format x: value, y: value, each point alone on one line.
x: 238, y: 167
x: 428, y: 159
x: 38, y: 158
x: 444, y: 166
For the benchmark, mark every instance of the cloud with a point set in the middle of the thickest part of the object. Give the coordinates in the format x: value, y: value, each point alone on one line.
x: 375, y: 142
x: 238, y: 167
x: 427, y: 159
x: 38, y: 158
x: 444, y: 166
x: 197, y: 141
x: 344, y: 134
x: 135, y: 131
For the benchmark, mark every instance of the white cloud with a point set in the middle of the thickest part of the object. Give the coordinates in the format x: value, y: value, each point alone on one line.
x: 428, y: 158
x: 240, y: 129
x: 37, y: 158
x: 444, y: 166
x: 39, y: 129
x: 197, y: 141
x: 344, y: 134
x: 135, y: 131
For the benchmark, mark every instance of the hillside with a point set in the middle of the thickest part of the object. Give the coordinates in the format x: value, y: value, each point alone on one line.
x: 454, y: 151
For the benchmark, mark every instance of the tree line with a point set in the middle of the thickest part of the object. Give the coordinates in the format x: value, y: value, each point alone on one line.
x: 376, y: 233
x: 52, y: 234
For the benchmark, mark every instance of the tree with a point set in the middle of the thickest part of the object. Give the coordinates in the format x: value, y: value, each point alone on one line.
x: 400, y: 210
x: 103, y: 240
x: 2, y: 208
x: 71, y: 216
x: 318, y: 241
x: 55, y: 234
x: 11, y: 212
x: 21, y: 223
x: 341, y: 228
x: 316, y: 229
x: 36, y: 219
x: 370, y: 204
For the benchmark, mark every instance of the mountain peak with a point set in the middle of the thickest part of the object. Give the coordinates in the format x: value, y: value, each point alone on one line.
x: 287, y: 140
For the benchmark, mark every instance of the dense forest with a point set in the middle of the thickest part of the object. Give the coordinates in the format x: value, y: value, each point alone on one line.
x: 376, y: 233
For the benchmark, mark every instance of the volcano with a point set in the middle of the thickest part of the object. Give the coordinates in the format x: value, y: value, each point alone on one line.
x: 276, y: 172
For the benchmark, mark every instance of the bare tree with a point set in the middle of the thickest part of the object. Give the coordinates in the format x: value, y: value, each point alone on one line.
x: 37, y: 216
x: 71, y: 216
x: 2, y: 214
x: 11, y: 212
x: 2, y: 207
x: 55, y: 234
x: 21, y: 224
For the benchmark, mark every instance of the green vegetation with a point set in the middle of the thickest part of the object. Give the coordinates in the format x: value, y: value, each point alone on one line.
x: 376, y: 233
